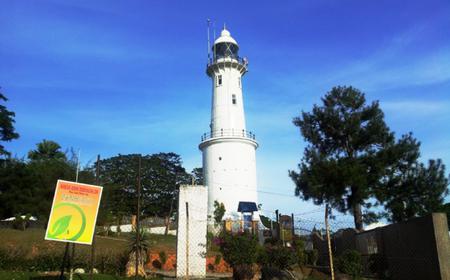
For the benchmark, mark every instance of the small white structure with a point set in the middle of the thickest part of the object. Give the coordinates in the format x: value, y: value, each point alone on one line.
x: 191, y: 233
x: 229, y: 161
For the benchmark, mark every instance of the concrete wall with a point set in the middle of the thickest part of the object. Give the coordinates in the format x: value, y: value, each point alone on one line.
x: 415, y: 249
x: 191, y: 234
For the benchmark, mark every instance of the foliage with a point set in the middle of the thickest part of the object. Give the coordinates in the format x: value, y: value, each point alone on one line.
x: 21, y: 222
x: 238, y: 249
x: 352, y: 156
x: 197, y: 173
x: 28, y: 186
x: 299, y: 246
x: 17, y: 259
x: 7, y: 130
x: 281, y: 257
x: 161, y: 176
x: 410, y: 188
x: 219, y: 212
x: 142, y: 245
x: 162, y: 257
x: 349, y: 262
x: 266, y: 221
x: 47, y: 150
x: 312, y: 256
x: 341, y: 164
x: 217, y: 259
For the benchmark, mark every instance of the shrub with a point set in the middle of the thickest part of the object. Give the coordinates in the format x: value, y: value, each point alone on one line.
x: 299, y: 246
x: 349, y: 262
x: 21, y: 223
x: 240, y: 251
x: 217, y: 259
x: 312, y: 256
x: 45, y: 262
x: 12, y: 259
x: 162, y: 257
x: 281, y: 257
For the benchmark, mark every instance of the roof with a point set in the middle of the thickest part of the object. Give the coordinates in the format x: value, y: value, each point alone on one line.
x: 225, y: 37
x: 246, y: 206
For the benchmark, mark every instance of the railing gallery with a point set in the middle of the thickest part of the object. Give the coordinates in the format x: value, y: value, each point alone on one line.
x: 223, y: 58
x: 228, y: 133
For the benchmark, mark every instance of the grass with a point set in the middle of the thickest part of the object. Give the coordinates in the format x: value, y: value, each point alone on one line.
x: 32, y: 241
x: 18, y: 275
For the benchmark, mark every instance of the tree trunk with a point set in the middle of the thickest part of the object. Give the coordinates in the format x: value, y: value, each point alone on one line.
x: 167, y: 220
x: 357, y: 216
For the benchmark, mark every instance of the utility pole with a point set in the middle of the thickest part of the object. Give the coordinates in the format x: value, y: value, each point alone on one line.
x: 292, y: 226
x: 97, y: 182
x: 72, y: 255
x: 187, y: 241
x: 278, y: 224
x: 330, y: 253
x: 138, y: 210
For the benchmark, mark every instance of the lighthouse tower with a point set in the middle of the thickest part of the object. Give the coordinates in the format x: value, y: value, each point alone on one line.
x: 229, y: 164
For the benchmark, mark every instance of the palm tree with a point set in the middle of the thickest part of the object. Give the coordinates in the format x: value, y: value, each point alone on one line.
x: 142, y: 246
x: 46, y: 149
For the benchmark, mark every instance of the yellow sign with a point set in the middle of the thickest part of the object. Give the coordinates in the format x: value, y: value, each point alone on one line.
x: 74, y: 212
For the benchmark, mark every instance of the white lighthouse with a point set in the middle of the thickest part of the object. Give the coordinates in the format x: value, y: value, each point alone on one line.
x: 229, y: 162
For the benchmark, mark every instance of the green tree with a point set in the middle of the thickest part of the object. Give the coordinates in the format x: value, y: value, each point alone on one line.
x: 16, y: 189
x: 161, y: 176
x: 118, y: 176
x: 7, y: 130
x: 411, y: 189
x: 46, y: 150
x: 28, y: 187
x: 197, y: 173
x: 219, y: 212
x: 342, y: 164
x: 160, y: 187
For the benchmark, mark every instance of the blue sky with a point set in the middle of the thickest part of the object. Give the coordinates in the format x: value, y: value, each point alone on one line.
x: 111, y: 77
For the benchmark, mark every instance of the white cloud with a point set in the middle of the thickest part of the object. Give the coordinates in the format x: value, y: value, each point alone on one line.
x: 420, y: 107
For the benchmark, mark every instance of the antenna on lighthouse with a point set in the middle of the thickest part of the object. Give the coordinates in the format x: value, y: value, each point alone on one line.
x: 214, y: 38
x: 209, y: 44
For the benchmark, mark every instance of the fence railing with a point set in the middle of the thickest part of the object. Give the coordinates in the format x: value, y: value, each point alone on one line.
x: 242, y: 133
x: 224, y: 58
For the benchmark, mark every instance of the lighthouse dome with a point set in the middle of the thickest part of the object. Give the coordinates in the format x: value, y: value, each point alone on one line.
x: 225, y: 46
x: 225, y: 37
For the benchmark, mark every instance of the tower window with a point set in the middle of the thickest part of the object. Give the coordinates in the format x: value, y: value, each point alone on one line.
x: 219, y: 80
x: 239, y: 81
x: 233, y: 99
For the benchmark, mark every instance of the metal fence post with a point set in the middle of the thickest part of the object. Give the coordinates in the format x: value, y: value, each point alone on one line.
x: 330, y: 253
x: 187, y: 241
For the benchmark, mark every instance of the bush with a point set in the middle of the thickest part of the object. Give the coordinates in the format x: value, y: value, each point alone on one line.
x: 21, y: 223
x: 239, y: 249
x: 162, y: 257
x: 241, y: 252
x: 349, y: 262
x: 12, y: 259
x: 312, y: 257
x: 44, y: 262
x: 281, y: 257
x: 217, y: 259
x: 109, y: 262
x: 299, y: 246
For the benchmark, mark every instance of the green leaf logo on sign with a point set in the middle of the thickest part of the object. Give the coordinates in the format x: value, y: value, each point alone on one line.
x: 61, y: 225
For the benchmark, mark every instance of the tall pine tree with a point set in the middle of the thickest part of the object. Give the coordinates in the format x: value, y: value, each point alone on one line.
x: 342, y: 163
